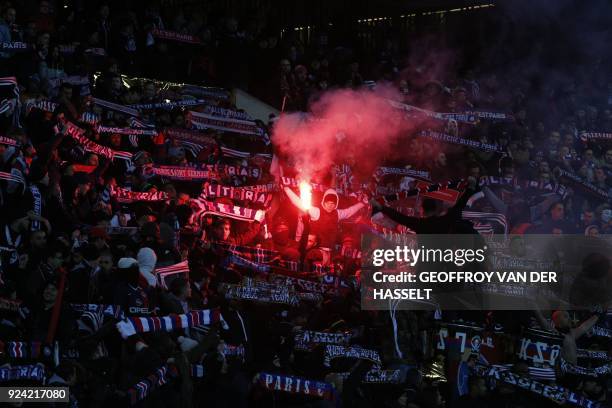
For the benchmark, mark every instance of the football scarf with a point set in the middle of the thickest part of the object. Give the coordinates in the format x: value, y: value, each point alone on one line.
x: 176, y: 269
x: 43, y: 105
x: 586, y: 136
x: 333, y: 352
x: 226, y: 113
x: 228, y: 170
x: 569, y: 368
x: 179, y: 173
x: 593, y: 354
x: 13, y: 177
x: 15, y: 46
x: 306, y: 340
x: 553, y: 393
x: 10, y: 305
x: 37, y: 206
x: 226, y: 210
x: 123, y: 195
x: 78, y: 135
x: 113, y: 311
x: 448, y: 191
x: 524, y: 184
x: 169, y: 105
x: 13, y: 102
x: 205, y: 121
x: 584, y: 185
x: 8, y: 141
x: 384, y: 171
x: 115, y: 107
x: 136, y: 325
x: 175, y: 36
x: 496, y: 116
x: 212, y: 191
x: 379, y: 377
x: 295, y: 385
x: 143, y: 388
x: 126, y: 131
x: 474, y: 144
x: 239, y: 292
x: 30, y: 350
x: 32, y: 372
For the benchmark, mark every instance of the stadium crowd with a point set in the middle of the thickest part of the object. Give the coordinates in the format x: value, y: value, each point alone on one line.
x: 155, y: 251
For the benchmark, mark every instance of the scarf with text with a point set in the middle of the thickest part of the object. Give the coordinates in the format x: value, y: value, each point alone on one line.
x: 474, y: 144
x: 378, y: 377
x: 491, y: 115
x: 229, y: 170
x: 9, y: 141
x: 114, y: 311
x: 448, y: 191
x: 296, y: 385
x: 123, y: 195
x: 205, y: 121
x: 179, y: 173
x: 175, y: 36
x: 554, y: 393
x: 116, y: 107
x: 593, y: 354
x: 212, y: 191
x: 333, y: 352
x: 164, y: 272
x: 43, y: 105
x: 569, y: 368
x: 205, y: 207
x: 15, y: 46
x: 169, y: 105
x: 205, y: 92
x: 383, y: 171
x: 586, y: 136
x: 584, y: 185
x: 412, y: 110
x: 515, y: 183
x: 36, y: 206
x: 307, y: 339
x: 32, y: 372
x: 78, y: 135
x: 10, y: 305
x: 306, y: 285
x: 226, y: 113
x: 257, y: 294
x: 135, y: 325
x: 126, y: 131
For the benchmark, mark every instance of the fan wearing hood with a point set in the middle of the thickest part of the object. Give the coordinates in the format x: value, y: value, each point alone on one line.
x: 324, y: 219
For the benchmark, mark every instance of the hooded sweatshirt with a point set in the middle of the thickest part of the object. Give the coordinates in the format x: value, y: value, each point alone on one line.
x: 324, y: 223
x: 146, y: 264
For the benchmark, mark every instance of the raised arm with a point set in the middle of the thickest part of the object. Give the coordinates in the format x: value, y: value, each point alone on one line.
x: 295, y: 200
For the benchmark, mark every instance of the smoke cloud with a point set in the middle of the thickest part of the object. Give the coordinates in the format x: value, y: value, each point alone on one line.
x: 344, y: 126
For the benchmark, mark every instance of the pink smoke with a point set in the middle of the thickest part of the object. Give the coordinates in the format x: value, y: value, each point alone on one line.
x: 344, y: 126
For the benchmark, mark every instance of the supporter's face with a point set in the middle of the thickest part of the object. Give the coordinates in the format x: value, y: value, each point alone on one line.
x: 608, y: 156
x: 115, y: 140
x: 38, y: 239
x: 557, y: 212
x: 312, y: 241
x: 44, y: 8
x: 149, y: 91
x: 587, y: 217
x: 56, y: 260
x: 441, y: 159
x: 544, y: 167
x: 329, y: 205
x: 224, y: 231
x: 104, y: 11
x: 285, y: 66
x: 10, y: 16
x: 106, y: 263
x: 593, y: 232
x: 554, y: 138
x: 49, y: 294
x: 600, y: 175
x: 182, y: 199
x: 93, y: 160
x: 475, y: 172
x: 44, y: 40
x: 116, y: 84
x: 588, y: 155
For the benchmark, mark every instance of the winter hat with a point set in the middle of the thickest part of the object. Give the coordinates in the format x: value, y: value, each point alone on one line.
x: 146, y: 264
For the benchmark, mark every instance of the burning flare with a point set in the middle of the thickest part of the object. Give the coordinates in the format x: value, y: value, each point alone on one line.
x: 305, y: 195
